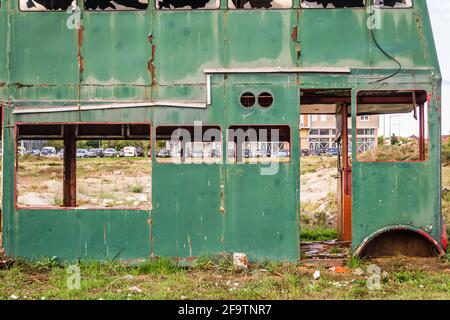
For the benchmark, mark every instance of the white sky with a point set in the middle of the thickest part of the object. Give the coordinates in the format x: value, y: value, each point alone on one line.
x: 405, y: 125
x: 440, y: 19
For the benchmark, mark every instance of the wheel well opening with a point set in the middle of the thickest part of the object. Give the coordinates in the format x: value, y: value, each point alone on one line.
x: 399, y: 242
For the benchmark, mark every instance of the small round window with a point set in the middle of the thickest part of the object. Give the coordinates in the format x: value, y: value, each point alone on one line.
x: 265, y: 99
x: 248, y: 99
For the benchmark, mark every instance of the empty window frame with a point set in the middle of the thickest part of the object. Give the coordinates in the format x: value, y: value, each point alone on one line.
x: 393, y: 3
x: 258, y: 144
x: 259, y: 4
x: 111, y: 5
x: 39, y: 166
x: 333, y: 4
x: 187, y: 4
x: 46, y: 5
x: 110, y: 167
x: 197, y: 144
x: 397, y: 130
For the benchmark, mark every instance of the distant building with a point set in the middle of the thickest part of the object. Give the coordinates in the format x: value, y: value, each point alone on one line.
x: 319, y: 131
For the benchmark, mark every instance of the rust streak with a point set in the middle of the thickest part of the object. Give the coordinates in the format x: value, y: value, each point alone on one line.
x: 80, y: 45
x: 294, y: 33
x: 151, y: 66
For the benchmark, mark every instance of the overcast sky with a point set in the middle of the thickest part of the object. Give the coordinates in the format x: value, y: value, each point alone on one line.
x: 440, y: 19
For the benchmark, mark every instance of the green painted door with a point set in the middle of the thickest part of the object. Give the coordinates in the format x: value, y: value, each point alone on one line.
x: 262, y: 194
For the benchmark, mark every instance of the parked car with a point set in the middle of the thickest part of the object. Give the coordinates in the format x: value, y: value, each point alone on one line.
x: 129, y: 152
x: 163, y: 153
x: 197, y: 154
x: 121, y: 153
x: 110, y: 152
x: 247, y: 153
x: 214, y: 153
x: 332, y: 152
x: 35, y: 153
x: 95, y: 153
x: 61, y: 154
x: 282, y: 153
x: 317, y: 152
x: 139, y: 152
x: 305, y: 152
x: 263, y: 153
x: 48, y: 152
x: 82, y: 153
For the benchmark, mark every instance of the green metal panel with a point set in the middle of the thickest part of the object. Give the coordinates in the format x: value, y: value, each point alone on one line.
x: 259, y: 38
x: 71, y: 234
x: 175, y: 34
x: 122, y: 37
x: 186, y: 217
x: 386, y: 195
x: 261, y: 211
x: 43, y: 49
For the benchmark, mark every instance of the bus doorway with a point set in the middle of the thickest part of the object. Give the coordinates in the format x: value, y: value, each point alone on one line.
x: 325, y: 167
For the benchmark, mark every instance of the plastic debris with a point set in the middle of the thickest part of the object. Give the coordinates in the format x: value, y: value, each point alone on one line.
x: 316, y: 275
x: 240, y: 260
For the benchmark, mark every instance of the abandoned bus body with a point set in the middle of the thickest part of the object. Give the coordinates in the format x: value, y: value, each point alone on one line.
x: 94, y: 69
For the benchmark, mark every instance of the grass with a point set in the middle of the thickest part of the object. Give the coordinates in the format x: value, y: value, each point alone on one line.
x: 404, y: 152
x: 137, y: 188
x: 318, y: 234
x: 215, y: 278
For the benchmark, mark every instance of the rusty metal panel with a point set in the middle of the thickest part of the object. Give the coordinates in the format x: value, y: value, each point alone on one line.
x: 399, y: 194
x: 261, y: 209
x: 147, y: 56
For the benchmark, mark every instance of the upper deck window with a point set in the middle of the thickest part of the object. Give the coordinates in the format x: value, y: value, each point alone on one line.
x: 108, y: 5
x: 187, y: 4
x: 334, y: 3
x: 259, y: 4
x: 393, y: 3
x: 46, y: 5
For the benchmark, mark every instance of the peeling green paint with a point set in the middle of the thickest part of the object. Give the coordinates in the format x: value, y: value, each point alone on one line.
x: 152, y: 55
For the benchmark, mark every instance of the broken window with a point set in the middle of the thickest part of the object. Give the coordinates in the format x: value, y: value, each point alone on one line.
x: 46, y: 5
x: 396, y: 129
x: 108, y: 5
x: 84, y: 165
x: 39, y: 175
x: 393, y: 3
x: 258, y: 144
x: 188, y: 144
x: 187, y: 4
x: 259, y: 4
x: 333, y: 4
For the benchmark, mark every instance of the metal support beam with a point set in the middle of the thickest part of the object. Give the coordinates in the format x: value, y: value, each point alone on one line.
x: 70, y: 179
x: 422, y: 147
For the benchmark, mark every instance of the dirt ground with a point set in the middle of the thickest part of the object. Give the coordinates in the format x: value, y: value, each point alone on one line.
x: 101, y: 182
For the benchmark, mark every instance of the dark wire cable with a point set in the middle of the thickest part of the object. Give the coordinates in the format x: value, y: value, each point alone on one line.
x: 400, y: 67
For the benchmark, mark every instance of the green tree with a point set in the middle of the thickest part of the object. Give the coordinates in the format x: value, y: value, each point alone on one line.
x: 394, y: 139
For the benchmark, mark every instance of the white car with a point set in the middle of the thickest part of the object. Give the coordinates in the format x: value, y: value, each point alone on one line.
x: 129, y: 152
